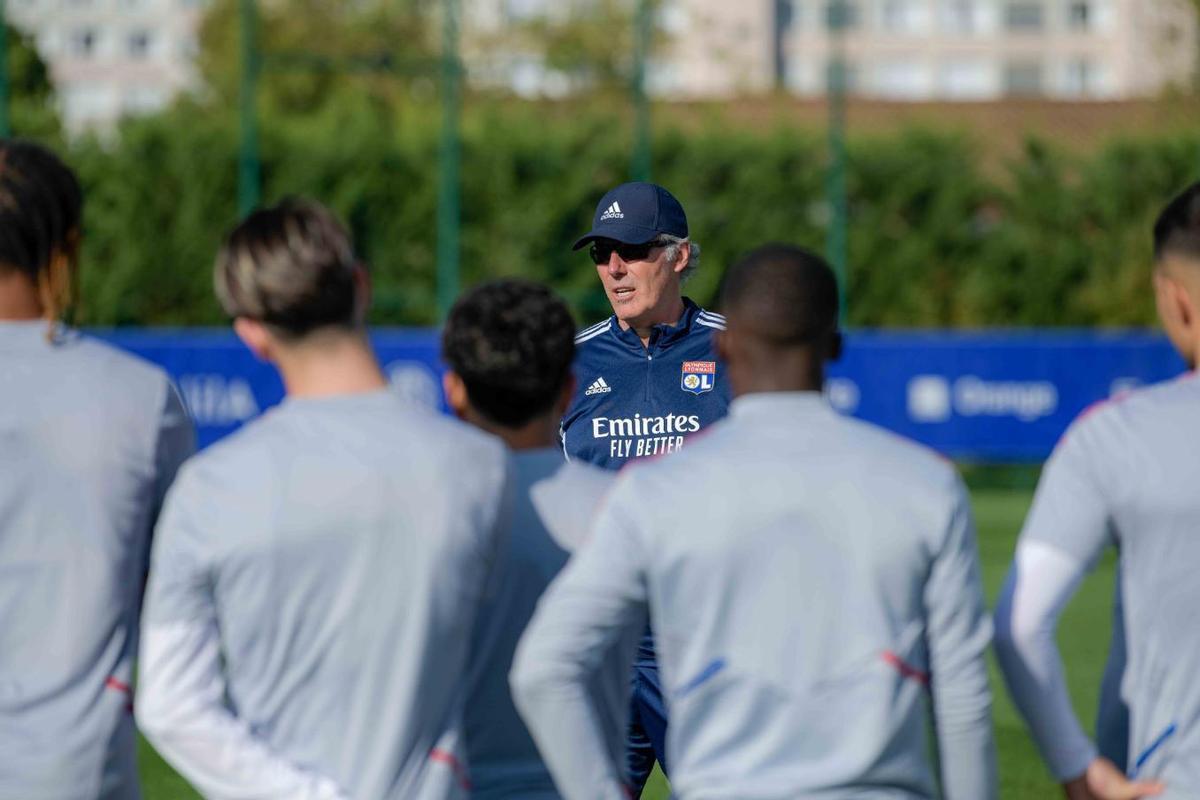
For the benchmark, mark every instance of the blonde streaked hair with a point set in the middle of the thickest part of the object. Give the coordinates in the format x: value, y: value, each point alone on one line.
x: 291, y: 266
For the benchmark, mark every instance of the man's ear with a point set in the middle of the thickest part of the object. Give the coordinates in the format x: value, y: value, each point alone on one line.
x: 1174, y: 303
x: 685, y: 257
x: 456, y: 394
x: 256, y: 337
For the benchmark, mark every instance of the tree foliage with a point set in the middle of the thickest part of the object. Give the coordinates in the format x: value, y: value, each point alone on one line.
x: 313, y: 51
x: 31, y: 93
x: 1053, y: 238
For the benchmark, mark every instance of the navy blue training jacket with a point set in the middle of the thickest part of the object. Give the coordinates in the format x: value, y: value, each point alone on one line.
x: 634, y: 400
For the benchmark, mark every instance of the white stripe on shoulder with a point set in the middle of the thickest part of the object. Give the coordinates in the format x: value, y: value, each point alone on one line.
x: 720, y: 326
x: 593, y: 328
x: 589, y: 335
x: 712, y: 315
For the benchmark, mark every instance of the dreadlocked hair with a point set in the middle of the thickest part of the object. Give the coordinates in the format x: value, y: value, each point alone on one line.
x: 41, y: 207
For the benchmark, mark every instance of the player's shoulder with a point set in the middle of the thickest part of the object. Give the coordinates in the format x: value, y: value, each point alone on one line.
x: 567, y: 500
x: 584, y: 480
x: 1133, y: 409
x: 592, y: 336
x: 119, y: 369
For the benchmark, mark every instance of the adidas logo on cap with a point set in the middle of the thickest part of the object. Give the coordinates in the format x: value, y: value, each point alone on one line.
x: 613, y: 212
x: 598, y: 387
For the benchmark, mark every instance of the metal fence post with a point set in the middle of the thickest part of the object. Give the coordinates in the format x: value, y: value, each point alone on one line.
x: 836, y: 243
x: 5, y: 126
x: 644, y: 24
x: 448, y: 215
x: 249, y: 187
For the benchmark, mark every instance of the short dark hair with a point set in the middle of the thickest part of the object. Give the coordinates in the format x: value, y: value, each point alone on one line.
x: 290, y: 266
x: 41, y: 209
x: 787, y: 295
x: 1177, y: 229
x: 512, y: 343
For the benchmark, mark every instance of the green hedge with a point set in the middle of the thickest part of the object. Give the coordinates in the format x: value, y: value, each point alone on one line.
x: 940, y: 235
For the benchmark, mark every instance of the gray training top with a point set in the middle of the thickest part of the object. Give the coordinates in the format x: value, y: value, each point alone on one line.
x: 811, y: 580
x: 322, y: 569
x: 1125, y: 474
x: 554, y: 505
x: 90, y: 438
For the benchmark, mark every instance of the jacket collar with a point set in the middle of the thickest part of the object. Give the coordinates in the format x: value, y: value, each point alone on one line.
x: 661, y: 336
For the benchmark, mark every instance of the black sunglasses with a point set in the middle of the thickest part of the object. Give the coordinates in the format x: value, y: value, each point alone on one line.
x: 602, y: 250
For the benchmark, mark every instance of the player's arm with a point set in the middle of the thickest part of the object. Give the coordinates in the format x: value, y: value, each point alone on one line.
x: 1065, y: 532
x: 957, y: 635
x: 181, y: 705
x: 176, y: 443
x: 599, y: 599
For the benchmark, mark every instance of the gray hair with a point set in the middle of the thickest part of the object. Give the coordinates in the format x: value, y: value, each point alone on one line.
x: 674, y: 245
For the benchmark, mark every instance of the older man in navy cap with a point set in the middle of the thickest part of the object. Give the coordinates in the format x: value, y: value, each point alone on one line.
x: 647, y: 378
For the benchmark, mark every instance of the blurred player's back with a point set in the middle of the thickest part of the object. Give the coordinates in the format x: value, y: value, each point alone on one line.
x: 346, y: 540
x: 553, y: 508
x: 89, y: 438
x: 792, y: 615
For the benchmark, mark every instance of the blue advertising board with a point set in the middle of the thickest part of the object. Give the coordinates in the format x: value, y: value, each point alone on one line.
x: 986, y: 396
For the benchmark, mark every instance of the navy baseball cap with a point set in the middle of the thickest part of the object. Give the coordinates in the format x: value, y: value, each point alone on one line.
x: 635, y: 213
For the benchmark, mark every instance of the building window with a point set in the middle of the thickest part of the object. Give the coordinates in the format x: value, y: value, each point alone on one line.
x: 82, y: 43
x: 1080, y: 78
x: 960, y: 16
x: 1024, y: 16
x: 1079, y: 15
x: 967, y: 80
x: 787, y: 15
x: 897, y: 16
x: 1024, y: 79
x: 139, y: 45
x: 841, y: 14
x: 903, y: 79
x: 523, y: 10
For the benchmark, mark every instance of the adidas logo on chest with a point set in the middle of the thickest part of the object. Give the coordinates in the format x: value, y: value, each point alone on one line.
x: 599, y: 386
x: 613, y: 212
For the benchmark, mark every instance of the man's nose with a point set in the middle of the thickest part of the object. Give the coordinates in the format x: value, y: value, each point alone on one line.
x: 616, y: 265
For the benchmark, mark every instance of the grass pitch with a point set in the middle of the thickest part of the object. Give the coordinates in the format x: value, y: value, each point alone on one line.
x: 1083, y: 637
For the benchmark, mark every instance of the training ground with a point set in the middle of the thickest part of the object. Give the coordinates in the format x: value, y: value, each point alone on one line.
x: 1083, y: 638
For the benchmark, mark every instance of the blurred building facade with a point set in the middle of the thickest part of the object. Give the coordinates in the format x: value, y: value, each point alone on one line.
x: 990, y: 49
x: 899, y: 49
x: 109, y: 58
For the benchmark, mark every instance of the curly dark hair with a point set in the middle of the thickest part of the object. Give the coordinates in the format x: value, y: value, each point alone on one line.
x: 512, y: 343
x: 290, y: 266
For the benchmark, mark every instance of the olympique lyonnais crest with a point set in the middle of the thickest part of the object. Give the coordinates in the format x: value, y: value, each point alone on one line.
x: 698, y: 376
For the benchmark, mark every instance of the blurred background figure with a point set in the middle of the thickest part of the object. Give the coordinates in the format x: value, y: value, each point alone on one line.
x: 809, y: 579
x: 316, y: 577
x: 90, y: 439
x: 1122, y: 475
x: 510, y: 345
